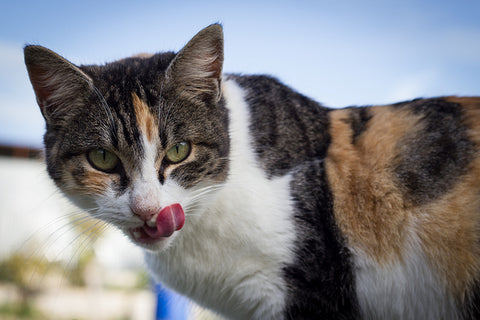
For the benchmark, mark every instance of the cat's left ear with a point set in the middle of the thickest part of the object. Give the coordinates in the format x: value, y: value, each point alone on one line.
x: 59, y: 85
x: 196, y: 71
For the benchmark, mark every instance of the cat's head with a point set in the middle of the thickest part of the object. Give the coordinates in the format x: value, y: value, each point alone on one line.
x: 142, y: 142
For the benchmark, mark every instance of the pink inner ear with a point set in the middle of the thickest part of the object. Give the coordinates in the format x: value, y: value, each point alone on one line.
x: 216, y: 68
x: 40, y: 78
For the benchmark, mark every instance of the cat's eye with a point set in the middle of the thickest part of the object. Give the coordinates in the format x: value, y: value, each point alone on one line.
x: 178, y: 153
x: 103, y: 160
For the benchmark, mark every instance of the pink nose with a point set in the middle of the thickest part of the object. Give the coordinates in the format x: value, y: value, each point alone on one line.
x: 144, y: 212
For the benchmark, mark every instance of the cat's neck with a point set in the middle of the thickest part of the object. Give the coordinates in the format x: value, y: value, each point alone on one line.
x: 231, y: 257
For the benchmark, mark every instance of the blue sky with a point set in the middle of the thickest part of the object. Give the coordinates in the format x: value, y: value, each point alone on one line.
x: 338, y: 52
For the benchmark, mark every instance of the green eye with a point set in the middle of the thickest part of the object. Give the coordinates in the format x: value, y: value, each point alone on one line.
x: 103, y: 160
x: 178, y: 153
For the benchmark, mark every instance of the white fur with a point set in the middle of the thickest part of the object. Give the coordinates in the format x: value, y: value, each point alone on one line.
x: 146, y: 188
x: 237, y: 237
x: 404, y: 290
x: 230, y: 253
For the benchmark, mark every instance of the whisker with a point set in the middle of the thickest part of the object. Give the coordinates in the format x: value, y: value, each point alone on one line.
x: 67, y: 227
x: 52, y: 239
x: 91, y: 235
x: 42, y: 228
x: 194, y: 201
x: 206, y: 190
x: 109, y: 218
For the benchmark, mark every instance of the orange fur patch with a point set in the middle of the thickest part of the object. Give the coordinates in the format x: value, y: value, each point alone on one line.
x: 92, y: 183
x: 96, y: 182
x: 145, y: 119
x: 80, y: 178
x: 143, y: 55
x: 449, y: 231
x: 368, y: 205
x: 375, y: 218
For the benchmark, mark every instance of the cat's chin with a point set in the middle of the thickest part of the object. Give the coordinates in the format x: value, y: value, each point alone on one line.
x: 156, y: 233
x: 147, y: 243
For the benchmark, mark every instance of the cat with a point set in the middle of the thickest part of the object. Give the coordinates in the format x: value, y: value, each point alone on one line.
x: 258, y: 202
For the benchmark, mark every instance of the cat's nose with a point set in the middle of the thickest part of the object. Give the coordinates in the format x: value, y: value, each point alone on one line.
x: 144, y: 201
x: 144, y: 212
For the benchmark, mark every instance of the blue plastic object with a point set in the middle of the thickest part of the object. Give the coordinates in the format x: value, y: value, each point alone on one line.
x: 170, y: 305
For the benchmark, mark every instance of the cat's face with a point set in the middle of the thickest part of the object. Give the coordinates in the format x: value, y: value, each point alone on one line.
x: 141, y: 143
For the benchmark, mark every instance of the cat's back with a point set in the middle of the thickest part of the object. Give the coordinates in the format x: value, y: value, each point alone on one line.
x: 405, y: 181
x: 394, y: 192
x: 388, y: 195
x: 286, y: 127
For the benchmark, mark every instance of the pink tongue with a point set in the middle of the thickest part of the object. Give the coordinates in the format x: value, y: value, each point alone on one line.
x: 169, y: 220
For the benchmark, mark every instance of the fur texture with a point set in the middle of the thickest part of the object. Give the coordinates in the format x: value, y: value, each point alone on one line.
x: 292, y: 210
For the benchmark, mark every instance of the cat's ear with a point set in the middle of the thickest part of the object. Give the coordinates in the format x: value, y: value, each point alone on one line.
x: 196, y: 71
x: 58, y: 84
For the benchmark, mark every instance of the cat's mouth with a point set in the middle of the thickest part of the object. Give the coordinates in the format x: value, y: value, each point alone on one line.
x: 169, y: 220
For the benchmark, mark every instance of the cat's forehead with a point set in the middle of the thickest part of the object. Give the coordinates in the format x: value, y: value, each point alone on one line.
x: 121, y: 84
x: 129, y: 73
x: 130, y: 91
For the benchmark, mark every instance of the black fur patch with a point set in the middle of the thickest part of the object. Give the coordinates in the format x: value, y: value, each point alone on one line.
x: 431, y: 161
x: 358, y: 120
x: 288, y: 128
x: 79, y: 174
x: 471, y: 307
x: 291, y: 132
x: 321, y: 279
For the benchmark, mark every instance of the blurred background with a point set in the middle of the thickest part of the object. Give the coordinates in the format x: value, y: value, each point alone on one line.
x: 57, y: 264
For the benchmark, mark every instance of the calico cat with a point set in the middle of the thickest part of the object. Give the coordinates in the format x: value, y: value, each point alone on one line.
x: 259, y: 203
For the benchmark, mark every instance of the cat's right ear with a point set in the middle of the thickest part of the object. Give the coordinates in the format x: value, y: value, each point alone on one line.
x: 196, y: 71
x: 58, y: 84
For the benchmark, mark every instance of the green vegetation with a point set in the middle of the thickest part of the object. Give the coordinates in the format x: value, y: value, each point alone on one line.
x: 17, y: 270
x: 23, y: 310
x: 27, y: 275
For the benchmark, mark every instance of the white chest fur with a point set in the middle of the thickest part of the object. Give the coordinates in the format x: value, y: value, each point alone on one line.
x: 230, y: 257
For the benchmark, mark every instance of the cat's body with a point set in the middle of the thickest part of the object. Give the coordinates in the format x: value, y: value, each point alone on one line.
x: 291, y: 210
